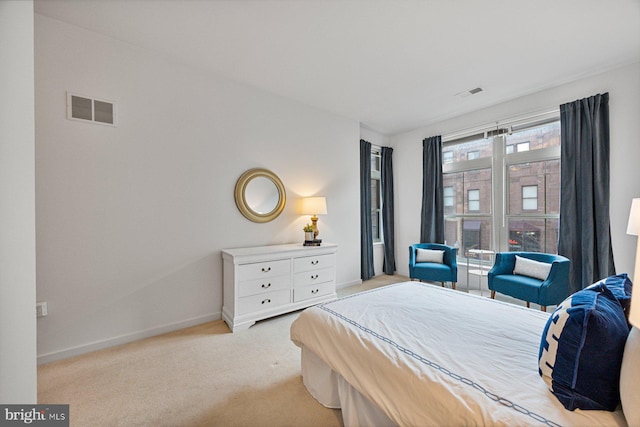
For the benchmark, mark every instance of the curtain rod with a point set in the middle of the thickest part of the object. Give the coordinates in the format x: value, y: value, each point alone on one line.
x: 509, y: 121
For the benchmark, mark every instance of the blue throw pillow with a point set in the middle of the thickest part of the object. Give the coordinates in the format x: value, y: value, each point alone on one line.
x: 620, y: 285
x: 581, y: 350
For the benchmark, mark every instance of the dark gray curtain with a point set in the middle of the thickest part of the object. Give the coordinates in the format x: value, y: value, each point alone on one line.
x: 584, y: 235
x: 432, y: 218
x: 388, y: 233
x: 366, y: 236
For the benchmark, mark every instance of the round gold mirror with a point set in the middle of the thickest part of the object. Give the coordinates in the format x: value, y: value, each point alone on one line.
x: 260, y: 195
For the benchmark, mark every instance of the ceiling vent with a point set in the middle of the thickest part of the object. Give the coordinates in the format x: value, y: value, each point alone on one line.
x: 91, y: 110
x: 469, y: 92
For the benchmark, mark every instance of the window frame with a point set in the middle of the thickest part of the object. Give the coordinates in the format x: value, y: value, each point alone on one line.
x: 376, y: 175
x: 499, y: 164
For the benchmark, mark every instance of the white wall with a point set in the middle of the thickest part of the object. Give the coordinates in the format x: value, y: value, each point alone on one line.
x: 131, y: 219
x: 623, y: 86
x: 17, y: 206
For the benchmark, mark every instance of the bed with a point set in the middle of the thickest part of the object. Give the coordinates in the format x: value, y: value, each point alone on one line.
x: 414, y: 354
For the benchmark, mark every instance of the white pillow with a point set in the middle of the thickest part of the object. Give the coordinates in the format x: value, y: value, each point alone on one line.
x: 429, y: 255
x: 630, y: 378
x: 531, y: 268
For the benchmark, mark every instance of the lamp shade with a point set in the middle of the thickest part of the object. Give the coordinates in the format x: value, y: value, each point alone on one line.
x: 314, y: 206
x: 634, y: 218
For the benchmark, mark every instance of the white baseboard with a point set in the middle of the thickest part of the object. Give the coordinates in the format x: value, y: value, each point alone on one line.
x: 347, y: 284
x: 123, y: 339
x: 134, y: 336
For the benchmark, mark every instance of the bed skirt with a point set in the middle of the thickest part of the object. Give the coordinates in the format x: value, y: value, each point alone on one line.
x: 333, y: 391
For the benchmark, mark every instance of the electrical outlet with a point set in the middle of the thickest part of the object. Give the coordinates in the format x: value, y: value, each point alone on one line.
x: 41, y: 309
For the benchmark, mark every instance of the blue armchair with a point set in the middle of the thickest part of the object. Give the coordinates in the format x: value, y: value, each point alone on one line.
x: 447, y: 271
x: 550, y: 291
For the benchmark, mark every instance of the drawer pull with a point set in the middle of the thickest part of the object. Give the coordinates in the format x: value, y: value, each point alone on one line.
x: 315, y: 291
x: 266, y: 301
x: 268, y: 285
x: 315, y: 276
x: 266, y: 270
x: 315, y: 262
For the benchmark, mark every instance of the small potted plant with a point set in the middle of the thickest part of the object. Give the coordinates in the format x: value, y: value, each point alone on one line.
x: 308, y: 232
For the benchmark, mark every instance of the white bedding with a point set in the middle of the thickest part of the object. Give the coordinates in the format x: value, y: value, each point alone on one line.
x: 426, y: 355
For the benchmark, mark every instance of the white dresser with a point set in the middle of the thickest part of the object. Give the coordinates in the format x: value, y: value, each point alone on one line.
x: 265, y: 281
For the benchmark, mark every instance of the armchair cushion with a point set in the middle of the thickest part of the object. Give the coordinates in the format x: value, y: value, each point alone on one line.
x: 429, y: 255
x: 531, y: 268
x: 581, y: 350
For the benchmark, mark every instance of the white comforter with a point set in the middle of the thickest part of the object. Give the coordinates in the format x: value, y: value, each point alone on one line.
x: 432, y: 356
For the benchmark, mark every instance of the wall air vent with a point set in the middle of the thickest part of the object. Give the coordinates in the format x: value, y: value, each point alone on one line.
x: 91, y: 110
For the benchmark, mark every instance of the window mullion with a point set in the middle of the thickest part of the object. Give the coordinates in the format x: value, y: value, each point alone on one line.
x: 500, y: 194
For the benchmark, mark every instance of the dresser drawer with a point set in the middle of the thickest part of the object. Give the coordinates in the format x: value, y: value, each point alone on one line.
x: 266, y: 284
x: 313, y: 277
x: 264, y: 301
x: 309, y: 263
x: 264, y: 269
x: 313, y: 291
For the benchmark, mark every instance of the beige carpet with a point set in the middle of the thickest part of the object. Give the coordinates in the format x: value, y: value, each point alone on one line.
x: 199, y: 376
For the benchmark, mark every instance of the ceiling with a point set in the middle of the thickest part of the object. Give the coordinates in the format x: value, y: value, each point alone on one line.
x: 393, y: 65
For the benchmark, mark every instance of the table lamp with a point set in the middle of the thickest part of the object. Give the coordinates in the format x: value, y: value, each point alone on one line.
x: 314, y: 206
x: 630, y: 370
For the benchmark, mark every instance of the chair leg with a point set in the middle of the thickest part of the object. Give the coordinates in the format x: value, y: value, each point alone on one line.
x: 453, y: 285
x: 493, y: 294
x: 528, y: 304
x: 442, y: 284
x: 543, y: 308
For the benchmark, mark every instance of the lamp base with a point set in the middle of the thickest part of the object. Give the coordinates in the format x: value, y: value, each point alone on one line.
x: 636, y: 268
x: 314, y: 224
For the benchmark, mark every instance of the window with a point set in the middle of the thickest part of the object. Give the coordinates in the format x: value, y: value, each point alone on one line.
x: 473, y: 200
x: 473, y: 155
x: 447, y: 156
x: 511, y: 182
x: 480, y: 147
x: 522, y: 146
x: 529, y: 197
x: 448, y: 198
x: 376, y: 195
